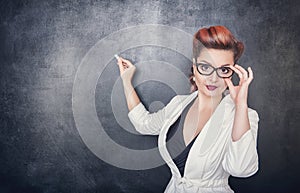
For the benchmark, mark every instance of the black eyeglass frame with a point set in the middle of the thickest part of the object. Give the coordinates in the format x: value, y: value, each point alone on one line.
x: 215, y: 69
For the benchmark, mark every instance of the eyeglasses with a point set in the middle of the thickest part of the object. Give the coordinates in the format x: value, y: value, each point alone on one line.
x: 207, y: 69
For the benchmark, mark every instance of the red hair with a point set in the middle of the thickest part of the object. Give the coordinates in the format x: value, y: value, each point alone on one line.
x: 216, y: 37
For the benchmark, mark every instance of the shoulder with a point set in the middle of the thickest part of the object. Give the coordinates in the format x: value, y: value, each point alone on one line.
x: 183, y: 98
x: 178, y: 98
x: 178, y: 102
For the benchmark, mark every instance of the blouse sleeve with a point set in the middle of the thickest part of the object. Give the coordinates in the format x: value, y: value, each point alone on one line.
x: 241, y: 158
x: 147, y: 123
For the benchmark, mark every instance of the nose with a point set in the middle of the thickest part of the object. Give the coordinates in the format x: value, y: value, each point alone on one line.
x: 213, y: 77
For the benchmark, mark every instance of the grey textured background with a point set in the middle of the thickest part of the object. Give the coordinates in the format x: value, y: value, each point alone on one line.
x: 43, y: 43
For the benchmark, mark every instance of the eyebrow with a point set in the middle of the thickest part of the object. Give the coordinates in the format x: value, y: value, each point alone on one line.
x: 212, y: 65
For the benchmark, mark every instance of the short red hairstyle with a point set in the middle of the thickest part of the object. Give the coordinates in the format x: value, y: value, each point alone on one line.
x: 216, y: 37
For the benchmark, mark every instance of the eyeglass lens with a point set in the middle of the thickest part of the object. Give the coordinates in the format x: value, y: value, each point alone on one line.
x: 207, y: 69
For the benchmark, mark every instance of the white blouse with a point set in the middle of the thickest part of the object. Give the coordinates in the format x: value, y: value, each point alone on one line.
x: 213, y: 156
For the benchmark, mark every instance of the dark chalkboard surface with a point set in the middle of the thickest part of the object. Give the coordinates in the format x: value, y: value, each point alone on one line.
x: 46, y: 44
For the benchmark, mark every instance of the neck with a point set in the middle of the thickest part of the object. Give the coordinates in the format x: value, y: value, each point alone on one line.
x: 207, y: 103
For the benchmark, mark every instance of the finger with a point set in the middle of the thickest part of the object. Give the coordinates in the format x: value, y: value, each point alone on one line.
x: 229, y: 84
x: 250, y: 75
x: 128, y: 62
x: 121, y: 63
x: 124, y: 62
x: 119, y: 60
x: 237, y: 71
x: 121, y: 67
x: 245, y: 73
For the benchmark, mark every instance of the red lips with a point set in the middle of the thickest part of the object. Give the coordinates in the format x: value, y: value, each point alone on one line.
x: 211, y: 87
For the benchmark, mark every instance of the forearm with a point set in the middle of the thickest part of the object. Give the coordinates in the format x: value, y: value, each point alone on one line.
x: 130, y: 94
x: 241, y: 122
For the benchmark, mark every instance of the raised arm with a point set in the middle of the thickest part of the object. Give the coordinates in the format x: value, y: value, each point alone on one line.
x: 127, y: 70
x: 144, y: 122
x: 241, y: 159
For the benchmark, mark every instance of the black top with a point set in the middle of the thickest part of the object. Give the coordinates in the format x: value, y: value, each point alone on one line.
x: 175, y: 141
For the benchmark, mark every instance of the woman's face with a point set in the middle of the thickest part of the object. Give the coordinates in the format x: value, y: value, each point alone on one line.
x: 212, y: 85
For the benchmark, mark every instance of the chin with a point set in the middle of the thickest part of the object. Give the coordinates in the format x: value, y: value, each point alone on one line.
x: 216, y: 93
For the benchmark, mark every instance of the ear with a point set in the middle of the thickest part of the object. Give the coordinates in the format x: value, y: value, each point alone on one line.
x: 194, y: 69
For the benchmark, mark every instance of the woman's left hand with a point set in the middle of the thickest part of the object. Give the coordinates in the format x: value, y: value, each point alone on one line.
x: 239, y: 93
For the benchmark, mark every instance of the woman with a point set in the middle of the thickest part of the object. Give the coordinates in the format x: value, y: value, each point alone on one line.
x: 205, y: 136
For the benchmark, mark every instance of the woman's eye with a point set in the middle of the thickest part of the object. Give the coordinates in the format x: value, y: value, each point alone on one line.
x: 224, y: 70
x: 205, y: 67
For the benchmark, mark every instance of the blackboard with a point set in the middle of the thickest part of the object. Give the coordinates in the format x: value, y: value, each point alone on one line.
x: 45, y: 42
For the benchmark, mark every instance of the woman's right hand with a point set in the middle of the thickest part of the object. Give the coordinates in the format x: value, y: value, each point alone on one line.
x: 127, y: 69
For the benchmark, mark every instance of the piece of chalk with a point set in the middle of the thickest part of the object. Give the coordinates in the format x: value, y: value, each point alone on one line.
x: 116, y: 56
